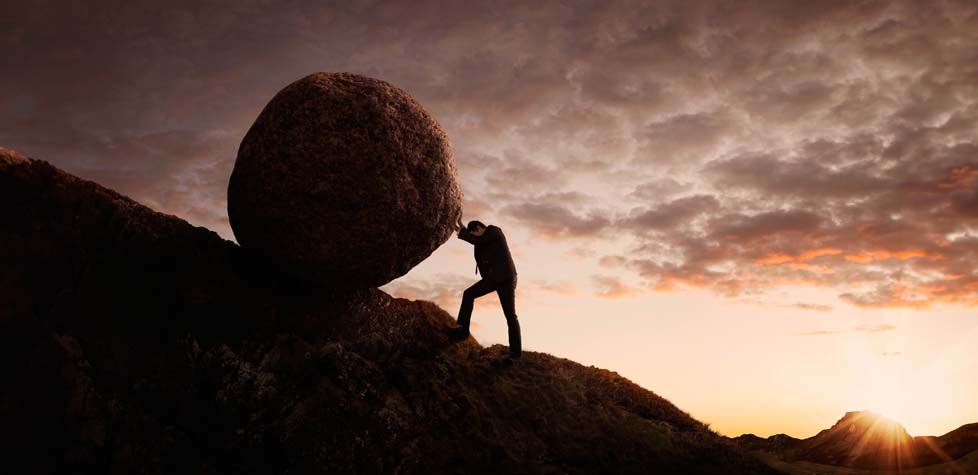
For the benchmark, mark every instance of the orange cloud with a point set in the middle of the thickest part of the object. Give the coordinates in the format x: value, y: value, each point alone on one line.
x: 959, y: 178
x: 894, y: 295
x: 865, y: 257
x: 781, y: 258
x: 612, y: 288
x: 475, y: 208
x: 558, y: 287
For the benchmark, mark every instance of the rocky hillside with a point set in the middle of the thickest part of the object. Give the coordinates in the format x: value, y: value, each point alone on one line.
x: 134, y: 342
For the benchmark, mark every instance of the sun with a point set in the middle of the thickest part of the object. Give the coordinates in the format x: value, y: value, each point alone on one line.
x: 895, y: 407
x: 910, y: 398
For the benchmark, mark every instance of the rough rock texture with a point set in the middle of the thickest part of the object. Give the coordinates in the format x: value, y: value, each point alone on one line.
x: 133, y: 342
x: 344, y: 178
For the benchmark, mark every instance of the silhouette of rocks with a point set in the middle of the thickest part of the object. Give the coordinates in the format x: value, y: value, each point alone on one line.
x: 869, y: 441
x: 861, y: 439
x: 346, y: 179
x: 133, y: 342
x: 777, y: 443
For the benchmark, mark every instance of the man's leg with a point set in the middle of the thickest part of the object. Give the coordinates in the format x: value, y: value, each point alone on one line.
x: 477, y: 290
x: 507, y: 297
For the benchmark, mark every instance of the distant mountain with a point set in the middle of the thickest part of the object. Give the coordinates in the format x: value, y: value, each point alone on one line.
x: 777, y: 443
x: 866, y: 440
x: 860, y: 440
x: 951, y: 446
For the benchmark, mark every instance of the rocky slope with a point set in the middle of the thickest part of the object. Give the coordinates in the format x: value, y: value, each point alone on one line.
x: 133, y: 342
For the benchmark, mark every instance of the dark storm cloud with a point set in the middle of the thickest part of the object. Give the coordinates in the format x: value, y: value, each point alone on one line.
x: 739, y: 148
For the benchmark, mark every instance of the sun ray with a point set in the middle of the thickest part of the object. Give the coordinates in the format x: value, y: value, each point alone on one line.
x: 928, y: 443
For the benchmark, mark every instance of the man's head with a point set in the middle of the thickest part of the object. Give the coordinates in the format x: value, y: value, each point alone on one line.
x: 476, y: 228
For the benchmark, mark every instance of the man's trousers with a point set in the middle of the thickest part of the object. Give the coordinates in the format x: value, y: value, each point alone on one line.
x: 507, y: 298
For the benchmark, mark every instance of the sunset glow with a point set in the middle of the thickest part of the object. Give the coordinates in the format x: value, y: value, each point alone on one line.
x: 766, y: 215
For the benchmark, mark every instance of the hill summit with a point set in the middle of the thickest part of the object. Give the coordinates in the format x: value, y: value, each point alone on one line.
x: 866, y: 440
x: 134, y: 342
x: 862, y: 439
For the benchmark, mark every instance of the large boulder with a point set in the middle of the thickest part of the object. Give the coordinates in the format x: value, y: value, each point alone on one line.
x: 344, y: 179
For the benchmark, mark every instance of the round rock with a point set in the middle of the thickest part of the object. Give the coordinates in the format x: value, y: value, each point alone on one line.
x: 344, y: 179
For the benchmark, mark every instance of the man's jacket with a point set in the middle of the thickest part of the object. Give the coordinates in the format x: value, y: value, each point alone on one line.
x: 492, y: 255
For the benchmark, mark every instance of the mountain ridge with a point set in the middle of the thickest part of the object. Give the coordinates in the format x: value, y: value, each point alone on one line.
x: 867, y: 440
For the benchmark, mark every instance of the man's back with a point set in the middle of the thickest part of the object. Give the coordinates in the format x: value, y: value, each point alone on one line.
x: 492, y: 255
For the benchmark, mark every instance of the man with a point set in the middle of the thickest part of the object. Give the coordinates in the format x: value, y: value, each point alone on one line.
x: 494, y: 261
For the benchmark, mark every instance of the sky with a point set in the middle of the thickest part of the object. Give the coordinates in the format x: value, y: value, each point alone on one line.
x: 766, y: 212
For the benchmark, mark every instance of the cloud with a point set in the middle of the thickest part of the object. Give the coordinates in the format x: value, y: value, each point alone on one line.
x: 560, y: 287
x: 657, y: 190
x: 812, y: 306
x: 442, y: 289
x: 682, y: 137
x: 704, y: 144
x: 859, y: 329
x: 581, y: 252
x: 612, y: 262
x: 521, y: 174
x: 555, y: 220
x: 611, y: 287
x: 874, y: 329
x: 820, y: 333
x: 671, y: 213
x: 893, y: 295
x: 808, y: 174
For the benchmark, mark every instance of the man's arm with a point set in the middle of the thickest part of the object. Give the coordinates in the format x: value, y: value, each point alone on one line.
x: 491, y: 233
x: 465, y: 235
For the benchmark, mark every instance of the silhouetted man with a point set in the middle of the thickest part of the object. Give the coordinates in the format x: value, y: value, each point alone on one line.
x: 494, y: 261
